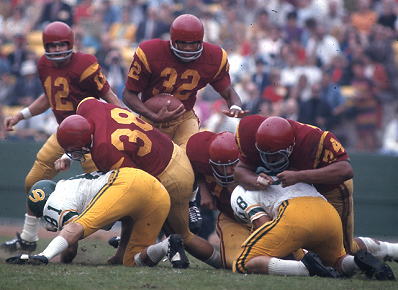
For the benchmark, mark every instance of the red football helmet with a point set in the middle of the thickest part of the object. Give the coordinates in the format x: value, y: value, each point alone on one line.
x: 188, y: 28
x: 275, y: 140
x: 56, y: 32
x: 74, y: 134
x: 224, y: 153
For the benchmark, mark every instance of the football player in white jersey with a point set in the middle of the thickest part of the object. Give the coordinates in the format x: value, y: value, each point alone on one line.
x: 83, y: 204
x: 294, y: 217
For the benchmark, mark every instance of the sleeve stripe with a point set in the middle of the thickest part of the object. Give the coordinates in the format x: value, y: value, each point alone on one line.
x: 320, y: 149
x: 89, y: 71
x: 141, y: 55
x: 223, y: 62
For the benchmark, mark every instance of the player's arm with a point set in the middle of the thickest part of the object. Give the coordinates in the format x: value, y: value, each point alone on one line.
x: 132, y: 101
x: 334, y: 173
x: 245, y: 175
x: 234, y: 103
x: 39, y: 106
x: 207, y: 200
x: 111, y: 98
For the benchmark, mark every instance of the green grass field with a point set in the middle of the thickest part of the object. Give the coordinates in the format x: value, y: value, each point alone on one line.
x: 90, y: 271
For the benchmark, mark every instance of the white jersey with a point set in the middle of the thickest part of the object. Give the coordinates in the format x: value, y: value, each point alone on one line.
x: 250, y: 205
x: 71, y: 197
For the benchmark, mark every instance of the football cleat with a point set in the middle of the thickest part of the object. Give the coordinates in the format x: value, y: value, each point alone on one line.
x: 176, y: 253
x: 114, y: 242
x: 25, y: 259
x: 18, y: 244
x: 195, y: 218
x: 316, y: 268
x: 371, y: 266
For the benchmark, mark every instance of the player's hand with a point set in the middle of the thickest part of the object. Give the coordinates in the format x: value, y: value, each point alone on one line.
x: 10, y: 122
x: 208, y: 202
x: 62, y: 164
x: 165, y: 115
x: 288, y: 177
x: 263, y: 180
x: 235, y: 113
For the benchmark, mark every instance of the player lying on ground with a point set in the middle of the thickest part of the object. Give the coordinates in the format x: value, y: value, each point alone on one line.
x: 86, y: 203
x: 300, y: 218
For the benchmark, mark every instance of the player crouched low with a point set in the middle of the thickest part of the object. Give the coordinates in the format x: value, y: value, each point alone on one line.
x: 86, y: 203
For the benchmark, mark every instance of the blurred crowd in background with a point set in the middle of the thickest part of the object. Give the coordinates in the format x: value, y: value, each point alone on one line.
x: 328, y: 63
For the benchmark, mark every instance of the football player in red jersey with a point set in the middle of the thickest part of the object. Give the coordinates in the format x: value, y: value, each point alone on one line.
x: 297, y: 152
x: 181, y: 67
x: 117, y: 138
x: 213, y: 158
x: 67, y: 78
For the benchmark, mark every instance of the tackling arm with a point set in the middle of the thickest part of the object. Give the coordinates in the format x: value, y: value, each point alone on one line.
x: 334, y: 173
x: 246, y: 177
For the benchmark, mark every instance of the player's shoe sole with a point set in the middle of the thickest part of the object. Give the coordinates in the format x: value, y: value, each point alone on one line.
x: 316, y: 268
x: 372, y: 266
x: 26, y: 259
x: 176, y: 253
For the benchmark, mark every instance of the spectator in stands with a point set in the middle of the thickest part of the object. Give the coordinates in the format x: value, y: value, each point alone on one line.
x: 275, y: 92
x: 82, y: 11
x: 301, y: 91
x: 291, y: 29
x: 152, y: 27
x: 367, y: 109
x: 260, y: 76
x: 28, y: 87
x: 123, y: 32
x: 323, y: 45
x: 364, y: 18
x: 137, y: 11
x: 117, y: 71
x: 283, y: 7
x: 388, y: 14
x: 307, y: 9
x: 390, y: 137
x: 55, y: 10
x: 111, y: 13
x: 15, y: 24
x: 19, y: 54
x: 316, y: 111
x: 105, y: 47
x: 7, y: 87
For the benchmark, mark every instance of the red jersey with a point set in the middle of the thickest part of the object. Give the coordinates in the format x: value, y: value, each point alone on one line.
x: 155, y: 69
x: 66, y: 87
x: 121, y: 139
x: 198, y: 153
x: 313, y: 149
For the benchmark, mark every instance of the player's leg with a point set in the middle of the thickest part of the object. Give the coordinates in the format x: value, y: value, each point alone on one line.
x: 43, y: 168
x: 178, y: 178
x: 232, y: 235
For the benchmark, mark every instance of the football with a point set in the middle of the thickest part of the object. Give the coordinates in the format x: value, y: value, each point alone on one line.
x: 157, y: 102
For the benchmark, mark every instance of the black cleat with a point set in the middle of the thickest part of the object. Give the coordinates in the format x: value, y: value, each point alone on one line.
x: 18, y: 244
x: 114, y: 242
x: 372, y: 266
x: 176, y: 253
x: 316, y: 268
x: 26, y: 259
x: 195, y: 218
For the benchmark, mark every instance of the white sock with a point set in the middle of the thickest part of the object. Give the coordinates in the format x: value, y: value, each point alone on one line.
x: 158, y: 251
x: 55, y: 247
x: 215, y: 260
x: 349, y: 266
x: 30, y: 228
x: 138, y: 261
x: 194, y: 193
x: 287, y: 267
x: 381, y: 250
